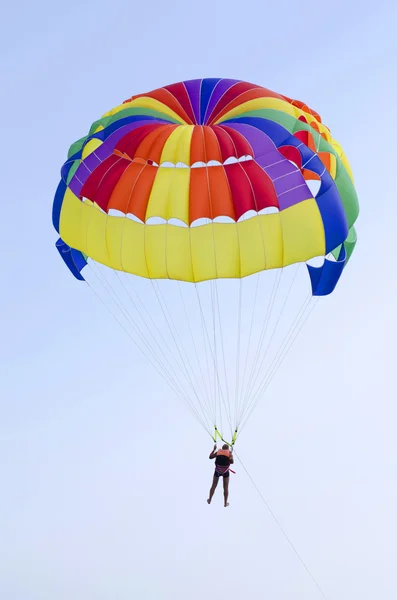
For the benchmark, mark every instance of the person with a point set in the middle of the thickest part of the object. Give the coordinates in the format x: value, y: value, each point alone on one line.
x: 223, y: 460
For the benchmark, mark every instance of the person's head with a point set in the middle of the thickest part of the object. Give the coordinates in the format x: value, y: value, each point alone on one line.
x: 225, y: 447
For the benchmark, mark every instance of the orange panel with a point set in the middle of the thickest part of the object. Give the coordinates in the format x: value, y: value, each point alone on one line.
x: 131, y: 194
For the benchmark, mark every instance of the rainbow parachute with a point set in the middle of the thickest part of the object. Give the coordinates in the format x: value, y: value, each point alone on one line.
x: 206, y: 181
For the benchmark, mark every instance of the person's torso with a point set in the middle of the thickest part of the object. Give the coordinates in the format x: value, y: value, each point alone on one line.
x: 222, y: 458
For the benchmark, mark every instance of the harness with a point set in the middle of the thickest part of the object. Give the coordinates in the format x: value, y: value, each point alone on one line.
x: 222, y: 469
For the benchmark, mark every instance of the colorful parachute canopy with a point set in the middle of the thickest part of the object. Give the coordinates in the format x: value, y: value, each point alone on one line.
x: 188, y: 164
x: 208, y: 181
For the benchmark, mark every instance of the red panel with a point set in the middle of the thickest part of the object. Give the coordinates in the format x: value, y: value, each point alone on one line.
x: 90, y: 187
x: 179, y: 91
x: 197, y: 151
x: 108, y: 182
x: 131, y: 141
x: 226, y: 144
x: 240, y: 143
x: 199, y: 198
x: 220, y: 193
x: 291, y: 153
x: 241, y: 189
x: 168, y: 99
x: 262, y: 186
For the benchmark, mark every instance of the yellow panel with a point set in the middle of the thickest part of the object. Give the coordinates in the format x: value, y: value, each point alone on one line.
x: 177, y: 147
x: 155, y: 240
x: 132, y: 244
x: 332, y: 170
x: 227, y: 253
x: 178, y: 204
x: 198, y: 253
x: 203, y: 253
x: 115, y: 233
x: 90, y: 147
x: 72, y: 223
x: 169, y: 197
x: 179, y: 257
x: 345, y: 161
x: 96, y: 235
x: 303, y: 232
x: 273, y: 239
x: 251, y: 246
x: 145, y: 102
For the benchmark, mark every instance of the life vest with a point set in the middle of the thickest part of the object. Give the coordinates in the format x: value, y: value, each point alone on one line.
x: 226, y: 453
x: 219, y: 468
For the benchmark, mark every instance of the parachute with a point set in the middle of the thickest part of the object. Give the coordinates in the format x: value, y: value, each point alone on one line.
x: 211, y: 214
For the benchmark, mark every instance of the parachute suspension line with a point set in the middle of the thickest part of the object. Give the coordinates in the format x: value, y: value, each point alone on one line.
x: 206, y: 336
x: 124, y: 311
x: 174, y: 378
x: 258, y: 371
x: 220, y: 389
x: 159, y: 366
x: 248, y: 343
x: 146, y: 324
x: 225, y: 402
x: 258, y: 351
x: 285, y: 347
x: 215, y: 355
x: 223, y: 356
x: 237, y: 387
x: 210, y: 359
x: 179, y: 365
x: 288, y: 539
x: 206, y: 395
x: 274, y: 365
x: 172, y: 328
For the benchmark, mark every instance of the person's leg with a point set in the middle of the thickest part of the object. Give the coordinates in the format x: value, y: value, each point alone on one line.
x: 213, y: 488
x: 226, y: 489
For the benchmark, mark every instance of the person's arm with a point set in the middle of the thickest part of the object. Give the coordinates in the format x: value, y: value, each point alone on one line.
x: 213, y: 453
x: 231, y: 459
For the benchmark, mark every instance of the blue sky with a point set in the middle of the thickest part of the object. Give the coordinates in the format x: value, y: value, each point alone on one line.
x: 104, y: 473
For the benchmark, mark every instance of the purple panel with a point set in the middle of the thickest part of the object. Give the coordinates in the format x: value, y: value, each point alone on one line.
x: 280, y: 169
x: 217, y: 94
x: 193, y: 88
x: 289, y: 182
x: 75, y: 185
x: 268, y: 159
x: 101, y: 153
x: 92, y: 161
x: 295, y: 196
x: 260, y: 143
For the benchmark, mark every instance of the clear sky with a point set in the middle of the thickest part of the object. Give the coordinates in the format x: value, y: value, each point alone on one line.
x: 104, y: 474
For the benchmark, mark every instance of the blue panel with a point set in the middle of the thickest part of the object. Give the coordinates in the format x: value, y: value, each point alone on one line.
x: 57, y: 205
x: 73, y: 259
x: 325, y: 278
x: 68, y: 164
x: 336, y: 228
x: 311, y: 161
x: 78, y: 259
x: 207, y: 87
x: 126, y: 121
